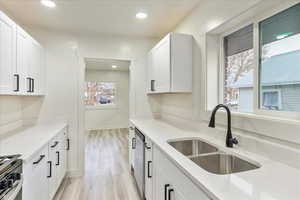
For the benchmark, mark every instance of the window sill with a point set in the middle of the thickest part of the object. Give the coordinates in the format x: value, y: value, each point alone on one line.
x: 102, y: 107
x: 272, y: 116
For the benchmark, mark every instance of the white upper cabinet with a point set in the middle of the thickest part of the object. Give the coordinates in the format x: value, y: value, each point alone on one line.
x: 20, y: 73
x: 170, y: 65
x: 7, y: 54
x: 21, y: 61
x: 36, y: 68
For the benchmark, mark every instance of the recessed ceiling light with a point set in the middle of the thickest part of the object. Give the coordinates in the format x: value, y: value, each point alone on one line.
x: 114, y: 66
x: 141, y: 15
x: 48, y: 3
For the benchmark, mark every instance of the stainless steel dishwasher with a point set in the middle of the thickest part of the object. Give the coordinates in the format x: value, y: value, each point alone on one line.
x: 139, y: 162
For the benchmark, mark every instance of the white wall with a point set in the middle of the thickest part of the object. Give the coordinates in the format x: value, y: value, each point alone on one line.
x: 10, y: 113
x: 111, y: 117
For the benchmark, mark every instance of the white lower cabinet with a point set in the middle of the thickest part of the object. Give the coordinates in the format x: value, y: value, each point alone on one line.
x: 54, y: 160
x: 44, y: 173
x: 63, y: 155
x: 35, y: 173
x: 148, y: 169
x: 170, y: 183
x: 164, y: 189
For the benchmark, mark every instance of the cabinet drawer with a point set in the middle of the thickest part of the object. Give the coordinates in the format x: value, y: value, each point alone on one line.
x: 36, y: 172
x: 178, y: 179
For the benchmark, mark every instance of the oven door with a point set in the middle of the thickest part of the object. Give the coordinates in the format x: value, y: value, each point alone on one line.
x: 16, y: 192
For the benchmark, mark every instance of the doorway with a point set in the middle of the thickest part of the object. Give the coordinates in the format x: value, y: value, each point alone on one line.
x: 107, y: 173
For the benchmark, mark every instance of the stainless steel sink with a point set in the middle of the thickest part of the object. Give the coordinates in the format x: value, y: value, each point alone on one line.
x: 193, y: 147
x: 222, y: 163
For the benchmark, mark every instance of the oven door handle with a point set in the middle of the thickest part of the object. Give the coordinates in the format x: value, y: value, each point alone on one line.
x: 14, y: 193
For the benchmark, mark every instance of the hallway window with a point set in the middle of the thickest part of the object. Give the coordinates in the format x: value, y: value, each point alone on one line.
x: 100, y: 93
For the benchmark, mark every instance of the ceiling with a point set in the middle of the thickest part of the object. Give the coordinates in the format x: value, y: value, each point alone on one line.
x: 106, y: 64
x: 115, y: 17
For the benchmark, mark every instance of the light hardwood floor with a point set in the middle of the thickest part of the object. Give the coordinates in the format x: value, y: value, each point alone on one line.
x: 107, y: 173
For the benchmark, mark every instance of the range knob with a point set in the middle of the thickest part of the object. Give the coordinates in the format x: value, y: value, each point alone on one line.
x: 10, y: 183
x: 3, y: 185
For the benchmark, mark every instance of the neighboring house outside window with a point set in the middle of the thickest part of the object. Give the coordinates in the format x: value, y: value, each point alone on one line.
x: 279, y: 67
x: 281, y: 74
x: 100, y: 93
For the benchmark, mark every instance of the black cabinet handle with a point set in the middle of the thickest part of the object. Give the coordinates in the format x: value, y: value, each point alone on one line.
x: 39, y: 160
x: 133, y: 143
x: 50, y: 169
x: 68, y: 144
x: 169, y: 193
x: 147, y: 147
x: 29, y: 84
x: 58, y: 159
x: 166, y: 190
x: 152, y: 85
x: 149, y: 175
x: 55, y: 144
x: 18, y: 82
x: 32, y: 89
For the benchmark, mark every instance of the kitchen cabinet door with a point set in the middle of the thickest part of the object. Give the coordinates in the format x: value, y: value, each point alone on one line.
x: 162, y: 184
x: 7, y: 54
x: 34, y: 69
x: 148, y: 170
x: 150, y: 74
x: 161, y: 66
x: 54, y: 154
x: 180, y: 186
x: 62, y: 156
x: 35, y: 172
x: 170, y: 65
x: 22, y: 65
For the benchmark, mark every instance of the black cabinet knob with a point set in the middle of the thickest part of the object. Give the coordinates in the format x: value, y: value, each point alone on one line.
x: 10, y: 183
x: 15, y: 177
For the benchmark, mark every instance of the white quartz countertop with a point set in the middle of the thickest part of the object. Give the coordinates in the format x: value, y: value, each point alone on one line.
x: 272, y: 181
x: 29, y: 140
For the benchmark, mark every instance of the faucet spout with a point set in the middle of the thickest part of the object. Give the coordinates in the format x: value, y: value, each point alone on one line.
x: 230, y: 141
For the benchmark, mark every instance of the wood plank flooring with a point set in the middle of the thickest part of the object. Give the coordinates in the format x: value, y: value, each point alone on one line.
x: 107, y: 173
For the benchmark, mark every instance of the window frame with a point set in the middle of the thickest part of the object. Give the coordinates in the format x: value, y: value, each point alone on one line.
x: 257, y: 111
x: 105, y: 106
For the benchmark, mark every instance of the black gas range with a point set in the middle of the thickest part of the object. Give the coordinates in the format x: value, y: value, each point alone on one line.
x: 11, y: 177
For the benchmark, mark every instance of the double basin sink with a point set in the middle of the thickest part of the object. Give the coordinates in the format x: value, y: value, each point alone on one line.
x: 210, y: 158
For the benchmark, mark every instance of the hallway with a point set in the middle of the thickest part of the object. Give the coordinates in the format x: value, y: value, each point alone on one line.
x: 107, y: 174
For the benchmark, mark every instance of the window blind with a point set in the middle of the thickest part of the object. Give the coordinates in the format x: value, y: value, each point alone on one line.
x: 239, y: 41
